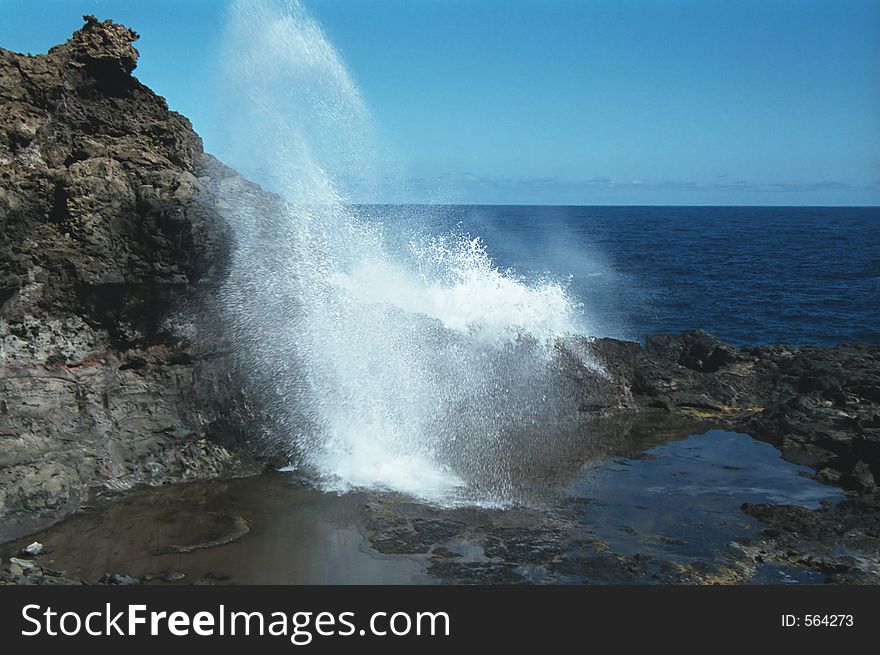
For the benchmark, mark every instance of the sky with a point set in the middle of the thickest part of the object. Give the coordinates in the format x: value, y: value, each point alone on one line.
x: 677, y: 102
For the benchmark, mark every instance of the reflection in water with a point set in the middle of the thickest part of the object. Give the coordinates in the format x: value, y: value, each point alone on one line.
x: 682, y: 499
x: 296, y: 536
x: 649, y: 494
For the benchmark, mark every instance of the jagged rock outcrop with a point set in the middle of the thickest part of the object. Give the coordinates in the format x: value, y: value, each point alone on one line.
x: 109, y: 226
x: 819, y: 406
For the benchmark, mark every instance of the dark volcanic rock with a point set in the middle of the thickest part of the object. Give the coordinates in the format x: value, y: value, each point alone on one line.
x: 818, y: 405
x: 463, y: 573
x: 105, y: 205
x: 605, y: 569
x: 114, y: 374
x: 842, y: 542
x: 119, y: 579
x: 109, y: 226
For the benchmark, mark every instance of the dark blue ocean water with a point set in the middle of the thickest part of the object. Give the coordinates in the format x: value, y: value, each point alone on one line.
x: 751, y: 275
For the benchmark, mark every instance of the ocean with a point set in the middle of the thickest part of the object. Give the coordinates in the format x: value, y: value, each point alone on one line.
x: 750, y: 275
x: 398, y: 347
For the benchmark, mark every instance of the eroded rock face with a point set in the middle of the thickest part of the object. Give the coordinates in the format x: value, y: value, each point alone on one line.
x: 106, y: 202
x: 109, y: 227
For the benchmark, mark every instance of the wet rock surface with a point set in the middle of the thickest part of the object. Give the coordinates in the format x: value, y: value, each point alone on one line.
x: 842, y: 542
x: 520, y: 546
x: 275, y: 528
x: 819, y: 406
x: 835, y: 546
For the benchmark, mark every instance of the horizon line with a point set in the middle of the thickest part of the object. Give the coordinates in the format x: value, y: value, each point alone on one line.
x: 526, y: 204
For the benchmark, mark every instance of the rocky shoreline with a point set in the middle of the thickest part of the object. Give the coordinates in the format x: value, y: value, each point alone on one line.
x: 819, y: 406
x: 114, y: 374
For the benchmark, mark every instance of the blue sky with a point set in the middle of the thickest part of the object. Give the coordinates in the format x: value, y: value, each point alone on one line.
x: 565, y: 102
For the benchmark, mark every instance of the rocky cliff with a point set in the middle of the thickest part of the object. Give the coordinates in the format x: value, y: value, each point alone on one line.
x: 109, y: 234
